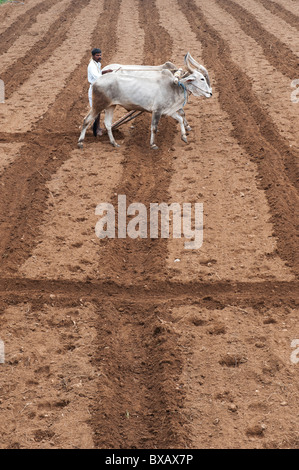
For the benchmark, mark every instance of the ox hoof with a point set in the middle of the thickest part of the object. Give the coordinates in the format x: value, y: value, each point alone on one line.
x: 116, y: 145
x: 154, y: 147
x: 184, y: 138
x: 80, y: 145
x: 188, y: 128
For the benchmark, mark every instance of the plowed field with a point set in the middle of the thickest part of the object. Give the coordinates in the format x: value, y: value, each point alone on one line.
x: 141, y: 343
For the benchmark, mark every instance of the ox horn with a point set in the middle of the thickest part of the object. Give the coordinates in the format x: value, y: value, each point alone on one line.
x: 193, y: 65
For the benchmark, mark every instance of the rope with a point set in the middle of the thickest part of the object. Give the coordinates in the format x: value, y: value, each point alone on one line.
x: 185, y: 92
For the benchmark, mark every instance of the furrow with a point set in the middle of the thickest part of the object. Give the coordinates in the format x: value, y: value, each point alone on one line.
x: 209, y: 294
x: 290, y: 5
x: 214, y: 170
x: 282, y: 12
x: 255, y: 132
x: 53, y: 28
x: 37, y: 162
x: 42, y: 86
x: 148, y: 365
x: 22, y: 23
x: 10, y: 15
x: 269, y: 85
x: 105, y: 336
x: 272, y: 24
x: 146, y: 175
x: 278, y: 54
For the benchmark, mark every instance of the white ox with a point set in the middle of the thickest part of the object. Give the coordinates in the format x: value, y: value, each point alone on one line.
x: 160, y: 93
x: 144, y: 70
x: 149, y: 70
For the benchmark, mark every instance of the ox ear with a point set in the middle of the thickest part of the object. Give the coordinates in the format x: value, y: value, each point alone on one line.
x: 188, y: 79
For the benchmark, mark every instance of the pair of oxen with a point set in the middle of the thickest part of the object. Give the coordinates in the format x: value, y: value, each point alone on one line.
x: 160, y: 90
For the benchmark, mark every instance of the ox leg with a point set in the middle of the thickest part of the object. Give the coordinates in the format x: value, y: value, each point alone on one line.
x: 186, y: 124
x: 154, y: 126
x: 91, y: 116
x: 108, y: 124
x: 179, y: 118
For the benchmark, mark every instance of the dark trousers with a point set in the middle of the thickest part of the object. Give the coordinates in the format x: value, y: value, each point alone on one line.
x: 96, y: 125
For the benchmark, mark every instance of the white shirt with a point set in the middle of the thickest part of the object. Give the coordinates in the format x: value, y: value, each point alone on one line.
x: 93, y: 71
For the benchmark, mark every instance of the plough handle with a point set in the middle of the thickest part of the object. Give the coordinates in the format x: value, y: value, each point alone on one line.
x: 128, y: 117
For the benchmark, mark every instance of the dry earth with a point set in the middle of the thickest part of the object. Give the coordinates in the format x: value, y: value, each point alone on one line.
x: 141, y: 343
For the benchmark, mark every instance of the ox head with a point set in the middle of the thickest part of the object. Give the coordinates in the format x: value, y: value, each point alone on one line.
x: 198, y: 82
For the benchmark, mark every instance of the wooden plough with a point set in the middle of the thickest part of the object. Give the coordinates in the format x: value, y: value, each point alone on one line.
x: 126, y: 118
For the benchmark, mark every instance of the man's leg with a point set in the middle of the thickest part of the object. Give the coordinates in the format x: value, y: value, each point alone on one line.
x: 96, y: 125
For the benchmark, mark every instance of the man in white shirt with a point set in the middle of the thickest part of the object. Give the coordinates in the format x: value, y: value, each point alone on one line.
x: 94, y: 71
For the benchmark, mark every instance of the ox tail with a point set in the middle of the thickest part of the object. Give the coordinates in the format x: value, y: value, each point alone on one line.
x: 96, y: 125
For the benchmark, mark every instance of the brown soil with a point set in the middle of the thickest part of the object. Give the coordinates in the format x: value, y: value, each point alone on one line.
x: 140, y: 343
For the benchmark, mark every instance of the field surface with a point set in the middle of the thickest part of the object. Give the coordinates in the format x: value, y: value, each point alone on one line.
x: 141, y: 343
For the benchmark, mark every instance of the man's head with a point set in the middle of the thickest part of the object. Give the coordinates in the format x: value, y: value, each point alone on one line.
x: 96, y: 54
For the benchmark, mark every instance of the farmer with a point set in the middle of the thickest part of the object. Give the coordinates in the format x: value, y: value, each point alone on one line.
x: 94, y: 71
